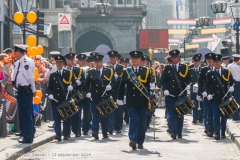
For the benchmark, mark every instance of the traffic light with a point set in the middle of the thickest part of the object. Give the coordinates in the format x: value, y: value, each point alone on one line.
x: 40, y: 23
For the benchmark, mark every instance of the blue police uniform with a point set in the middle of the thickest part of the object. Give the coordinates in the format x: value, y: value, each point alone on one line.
x: 23, y: 76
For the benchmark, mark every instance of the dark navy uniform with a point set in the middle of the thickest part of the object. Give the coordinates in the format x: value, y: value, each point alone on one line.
x: 95, y: 89
x: 136, y: 102
x: 207, y: 109
x: 59, y: 94
x: 216, y: 93
x: 23, y: 80
x: 171, y: 86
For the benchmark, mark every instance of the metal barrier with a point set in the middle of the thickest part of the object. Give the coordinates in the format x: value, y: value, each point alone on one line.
x: 3, y: 123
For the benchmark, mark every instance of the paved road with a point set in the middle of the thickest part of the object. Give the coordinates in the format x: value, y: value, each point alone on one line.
x: 194, y: 146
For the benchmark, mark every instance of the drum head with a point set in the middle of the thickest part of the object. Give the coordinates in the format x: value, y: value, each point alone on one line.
x: 104, y: 101
x: 180, y: 101
x: 226, y: 101
x: 64, y: 104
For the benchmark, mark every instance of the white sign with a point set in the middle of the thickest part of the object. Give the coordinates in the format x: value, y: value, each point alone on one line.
x: 103, y: 50
x: 64, y: 22
x: 212, y: 45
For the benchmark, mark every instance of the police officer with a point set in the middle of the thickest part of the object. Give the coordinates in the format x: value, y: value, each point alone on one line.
x: 137, y: 98
x: 145, y: 60
x: 208, y: 112
x: 115, y: 117
x: 225, y: 62
x: 194, y: 74
x: 97, y: 81
x: 23, y: 80
x: 125, y: 63
x: 216, y: 91
x: 235, y: 70
x: 77, y: 74
x: 172, y: 88
x: 119, y: 58
x: 57, y: 93
x: 84, y: 104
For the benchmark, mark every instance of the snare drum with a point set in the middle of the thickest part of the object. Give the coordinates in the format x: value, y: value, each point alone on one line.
x: 228, y: 106
x: 106, y: 106
x: 67, y: 108
x: 77, y: 96
x: 183, y: 105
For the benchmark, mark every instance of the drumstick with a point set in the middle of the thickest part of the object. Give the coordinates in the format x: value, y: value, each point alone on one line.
x: 106, y: 89
x: 184, y: 90
x: 171, y: 95
x: 68, y: 91
x: 227, y: 92
x: 55, y: 100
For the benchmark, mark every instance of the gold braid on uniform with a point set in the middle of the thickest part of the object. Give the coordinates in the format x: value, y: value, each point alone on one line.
x: 69, y: 80
x: 153, y: 74
x: 145, y: 80
x: 111, y: 74
x: 186, y: 72
x: 226, y: 79
x: 79, y: 75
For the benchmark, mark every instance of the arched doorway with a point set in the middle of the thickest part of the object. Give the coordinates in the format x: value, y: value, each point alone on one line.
x: 90, y: 41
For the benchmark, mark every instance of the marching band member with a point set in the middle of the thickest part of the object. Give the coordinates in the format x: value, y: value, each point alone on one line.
x: 216, y: 86
x: 96, y: 82
x: 54, y: 67
x: 208, y: 112
x: 172, y: 86
x: 23, y: 80
x: 125, y: 62
x: 77, y: 74
x: 194, y: 74
x: 60, y: 82
x: 115, y: 117
x: 225, y: 62
x: 84, y: 104
x: 138, y: 83
x: 235, y: 70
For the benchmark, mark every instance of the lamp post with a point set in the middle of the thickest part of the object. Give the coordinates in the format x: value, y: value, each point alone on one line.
x: 220, y: 7
x: 103, y: 8
x: 24, y: 6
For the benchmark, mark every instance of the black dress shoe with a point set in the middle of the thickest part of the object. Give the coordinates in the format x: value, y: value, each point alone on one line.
x: 77, y: 135
x: 173, y: 136
x: 23, y: 140
x: 18, y: 134
x: 140, y: 146
x: 223, y: 137
x: 50, y: 126
x: 210, y: 134
x: 118, y: 131
x: 217, y: 137
x: 199, y: 121
x: 105, y: 136
x: 179, y: 136
x: 85, y: 133
x: 95, y: 135
x: 110, y: 131
x: 132, y: 144
x: 194, y: 121
x: 58, y: 138
x: 169, y: 131
x: 65, y: 138
x: 206, y: 131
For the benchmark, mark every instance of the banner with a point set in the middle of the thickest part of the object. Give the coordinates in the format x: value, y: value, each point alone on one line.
x: 154, y: 38
x: 213, y: 45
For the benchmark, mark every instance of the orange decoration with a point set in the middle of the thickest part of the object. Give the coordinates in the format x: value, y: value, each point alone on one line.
x: 36, y: 74
x: 39, y: 93
x: 36, y: 100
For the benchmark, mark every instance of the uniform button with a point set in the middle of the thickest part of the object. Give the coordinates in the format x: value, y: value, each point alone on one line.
x: 140, y: 94
x: 173, y: 86
x: 133, y: 94
x: 173, y: 80
x: 96, y: 84
x: 133, y: 87
x: 96, y: 91
x: 217, y: 85
x: 223, y: 85
x: 102, y: 85
x: 58, y: 94
x: 57, y: 88
x: 217, y: 91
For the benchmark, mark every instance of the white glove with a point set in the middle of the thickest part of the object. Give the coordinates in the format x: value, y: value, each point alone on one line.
x: 199, y: 98
x: 231, y: 89
x: 50, y: 96
x: 158, y: 94
x: 188, y: 92
x: 188, y: 87
x: 204, y: 94
x: 78, y: 82
x: 152, y: 86
x: 119, y: 102
x: 88, y: 95
x: 108, y: 87
x: 70, y: 88
x: 209, y: 97
x: 166, y: 92
x: 116, y: 76
x: 152, y: 93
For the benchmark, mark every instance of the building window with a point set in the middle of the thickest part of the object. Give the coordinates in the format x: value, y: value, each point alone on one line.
x: 120, y: 2
x: 84, y: 3
x: 129, y: 3
x: 93, y: 3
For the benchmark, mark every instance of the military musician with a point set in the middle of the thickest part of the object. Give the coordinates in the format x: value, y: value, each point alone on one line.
x: 217, y: 83
x: 138, y: 83
x: 174, y: 79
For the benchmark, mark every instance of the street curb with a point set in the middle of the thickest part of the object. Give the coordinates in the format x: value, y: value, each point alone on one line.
x: 19, y: 150
x: 234, y: 132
